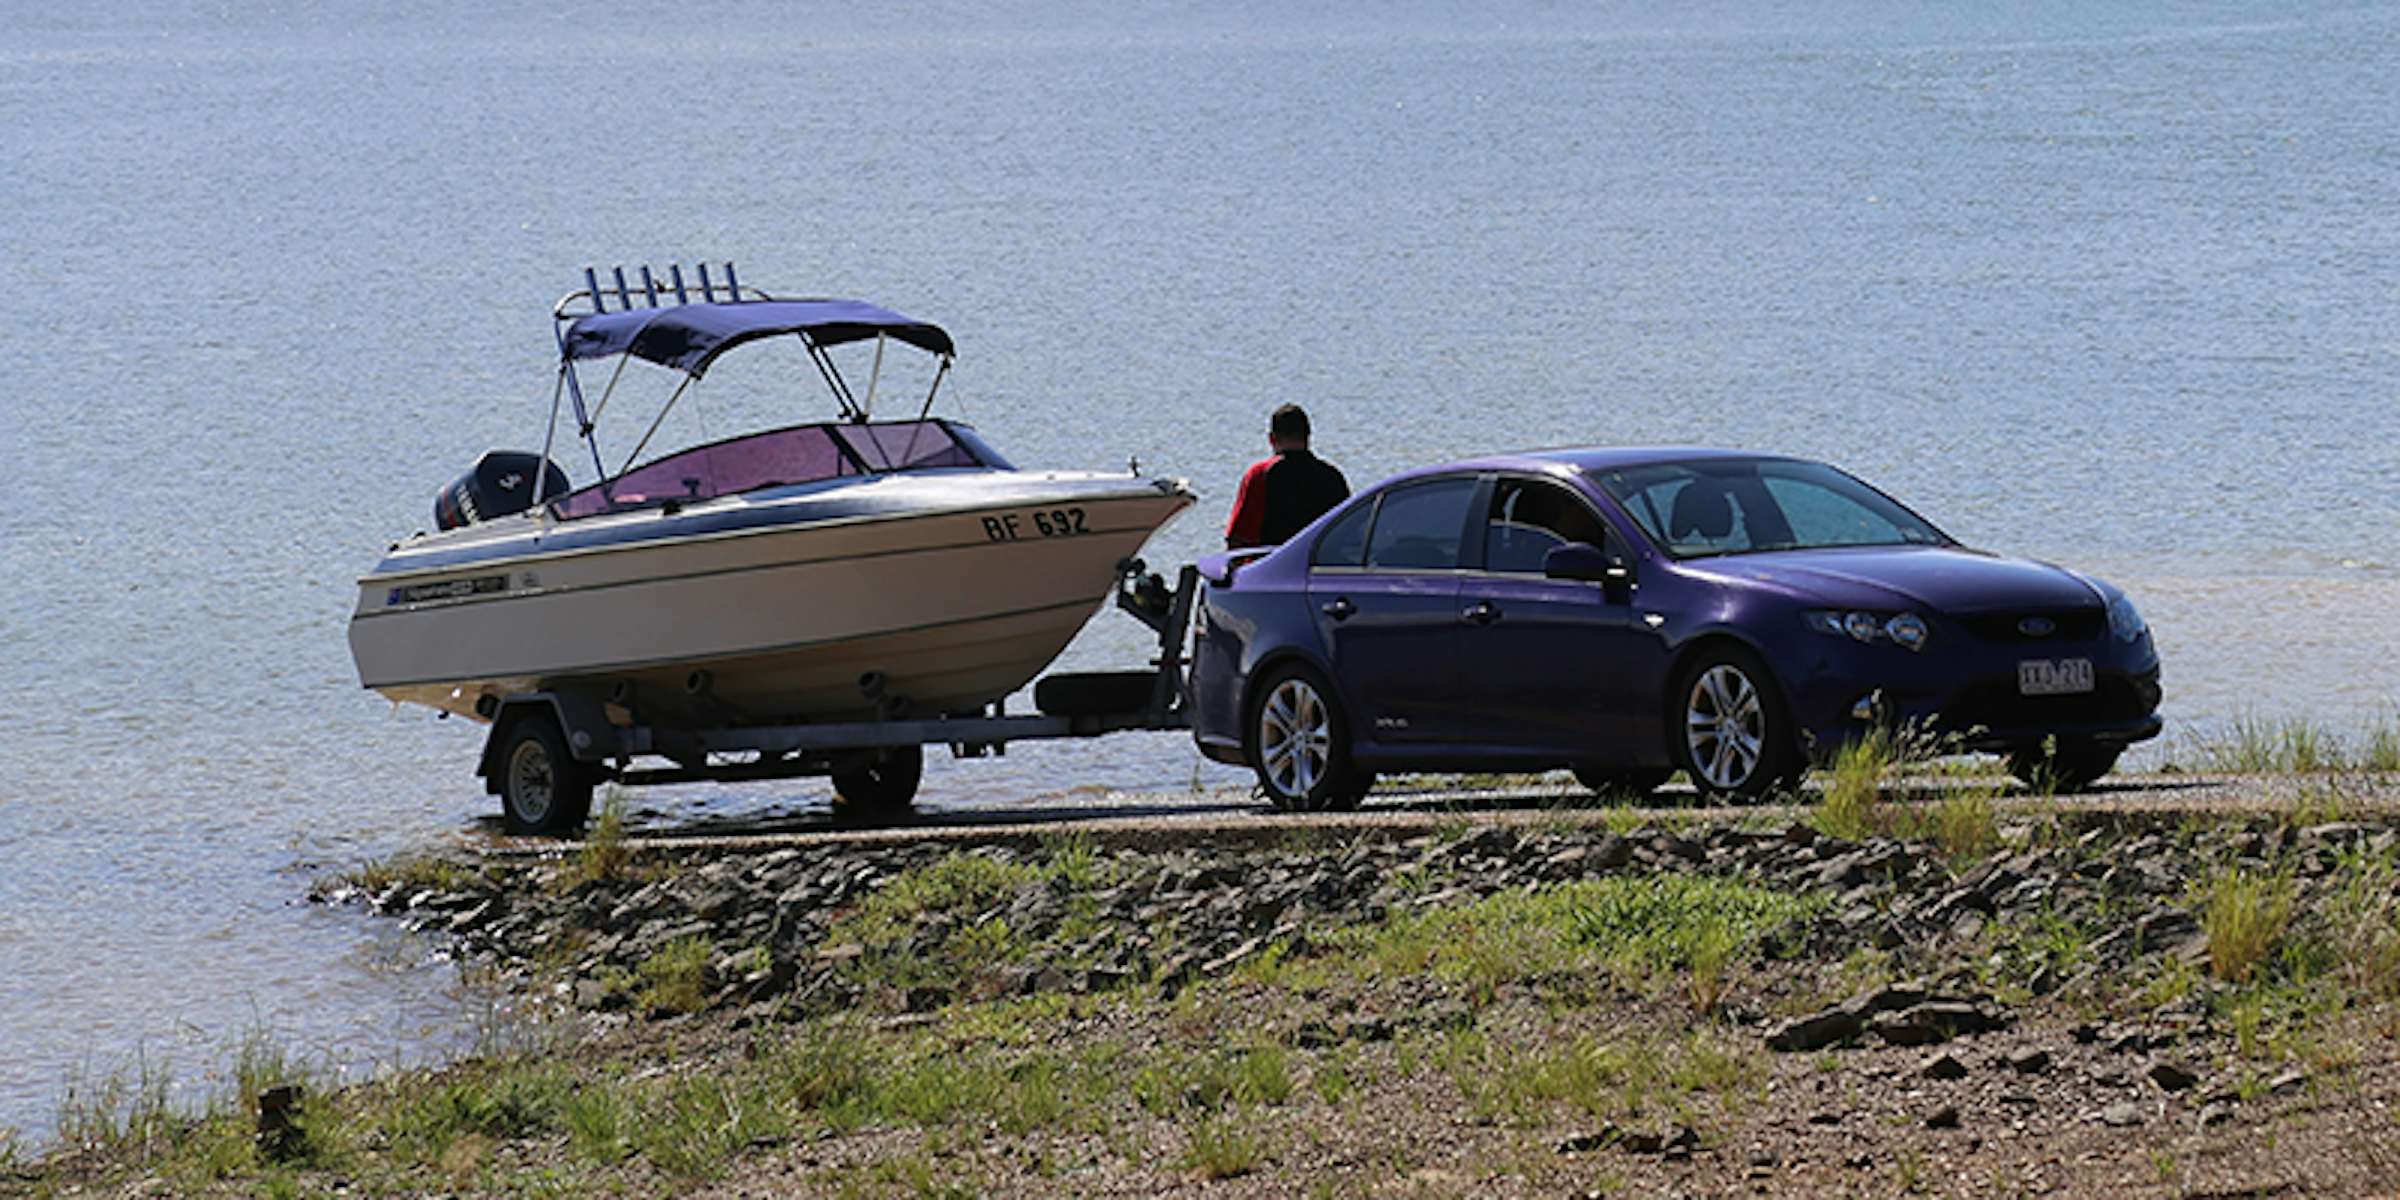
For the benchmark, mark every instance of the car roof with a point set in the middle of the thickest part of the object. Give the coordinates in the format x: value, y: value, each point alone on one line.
x: 1591, y: 458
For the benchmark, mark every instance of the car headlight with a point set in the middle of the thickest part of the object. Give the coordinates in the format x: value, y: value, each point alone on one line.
x: 2124, y: 620
x: 1907, y: 630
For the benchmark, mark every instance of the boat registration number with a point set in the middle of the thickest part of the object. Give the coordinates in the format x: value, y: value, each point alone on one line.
x: 1041, y: 522
x: 2054, y: 676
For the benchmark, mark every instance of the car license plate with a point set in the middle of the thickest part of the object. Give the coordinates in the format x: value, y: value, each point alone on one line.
x: 2054, y: 676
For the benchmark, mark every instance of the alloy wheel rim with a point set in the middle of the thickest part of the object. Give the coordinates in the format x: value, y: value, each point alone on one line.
x: 530, y: 781
x: 1295, y: 738
x: 1724, y: 726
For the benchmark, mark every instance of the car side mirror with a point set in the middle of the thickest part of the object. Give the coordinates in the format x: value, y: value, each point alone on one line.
x: 1587, y: 563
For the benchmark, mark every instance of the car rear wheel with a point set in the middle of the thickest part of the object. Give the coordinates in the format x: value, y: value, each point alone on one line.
x: 2073, y: 766
x: 1300, y: 746
x: 1731, y: 731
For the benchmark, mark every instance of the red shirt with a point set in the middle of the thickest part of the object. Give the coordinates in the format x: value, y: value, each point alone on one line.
x: 1279, y: 496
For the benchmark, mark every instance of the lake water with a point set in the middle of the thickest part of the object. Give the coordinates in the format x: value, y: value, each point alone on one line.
x: 2116, y: 287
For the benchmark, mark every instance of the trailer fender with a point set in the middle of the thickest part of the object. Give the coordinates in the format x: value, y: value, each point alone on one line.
x: 582, y: 718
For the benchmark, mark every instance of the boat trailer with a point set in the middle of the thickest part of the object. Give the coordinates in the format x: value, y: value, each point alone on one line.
x: 549, y: 748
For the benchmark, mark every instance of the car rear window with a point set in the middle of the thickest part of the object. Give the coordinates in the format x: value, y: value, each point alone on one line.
x: 1419, y: 526
x: 1344, y: 542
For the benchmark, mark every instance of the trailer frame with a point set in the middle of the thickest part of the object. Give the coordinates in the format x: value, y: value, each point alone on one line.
x: 545, y: 786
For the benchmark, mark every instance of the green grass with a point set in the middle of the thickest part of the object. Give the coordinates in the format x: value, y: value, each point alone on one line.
x: 673, y: 980
x: 415, y: 871
x: 604, y: 854
x: 1524, y: 1079
x: 2048, y: 938
x: 2362, y: 920
x: 2383, y: 747
x: 1963, y: 825
x: 960, y: 892
x: 2255, y: 745
x: 1642, y: 930
x: 120, y: 1113
x: 132, y: 1117
x: 1223, y: 1146
x: 2244, y: 915
x: 1851, y: 807
x: 1259, y: 1074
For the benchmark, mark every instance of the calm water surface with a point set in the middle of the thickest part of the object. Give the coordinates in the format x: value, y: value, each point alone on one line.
x: 2112, y: 289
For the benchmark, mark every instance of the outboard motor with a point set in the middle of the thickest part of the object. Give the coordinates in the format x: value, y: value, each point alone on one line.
x: 500, y: 484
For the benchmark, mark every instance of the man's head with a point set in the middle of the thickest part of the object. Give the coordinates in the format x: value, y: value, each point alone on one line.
x: 1288, y: 428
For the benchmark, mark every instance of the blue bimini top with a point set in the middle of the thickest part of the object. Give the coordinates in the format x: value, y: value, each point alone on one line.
x: 688, y: 337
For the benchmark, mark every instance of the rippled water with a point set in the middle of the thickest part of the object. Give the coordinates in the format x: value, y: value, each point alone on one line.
x: 2113, y: 288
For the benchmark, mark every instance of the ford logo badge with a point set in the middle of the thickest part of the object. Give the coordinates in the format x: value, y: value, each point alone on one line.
x: 2037, y: 627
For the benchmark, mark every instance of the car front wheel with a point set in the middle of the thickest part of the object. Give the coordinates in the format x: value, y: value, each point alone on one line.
x: 1299, y: 745
x: 1731, y: 732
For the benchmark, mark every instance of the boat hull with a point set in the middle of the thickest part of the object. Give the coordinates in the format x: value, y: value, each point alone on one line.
x: 952, y: 606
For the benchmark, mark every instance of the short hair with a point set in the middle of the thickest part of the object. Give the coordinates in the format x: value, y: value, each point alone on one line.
x: 1289, y: 421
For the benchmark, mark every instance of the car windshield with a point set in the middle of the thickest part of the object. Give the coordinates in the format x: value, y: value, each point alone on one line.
x: 1748, y: 505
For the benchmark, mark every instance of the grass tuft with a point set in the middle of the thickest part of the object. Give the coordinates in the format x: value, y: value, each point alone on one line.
x: 604, y: 855
x: 1851, y: 806
x: 1964, y: 825
x: 2362, y: 917
x: 119, y: 1114
x: 1224, y: 1146
x: 674, y: 979
x: 2254, y: 745
x: 2383, y: 747
x: 2244, y: 917
x: 415, y: 871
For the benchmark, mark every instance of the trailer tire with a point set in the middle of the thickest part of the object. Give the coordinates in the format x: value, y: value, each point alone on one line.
x: 543, y: 790
x: 880, y: 788
x: 1094, y: 693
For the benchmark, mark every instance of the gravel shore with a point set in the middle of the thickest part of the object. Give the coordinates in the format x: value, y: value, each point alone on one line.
x: 1949, y: 991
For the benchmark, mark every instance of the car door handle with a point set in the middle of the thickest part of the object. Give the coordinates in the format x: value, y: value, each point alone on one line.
x: 1482, y: 612
x: 1340, y: 608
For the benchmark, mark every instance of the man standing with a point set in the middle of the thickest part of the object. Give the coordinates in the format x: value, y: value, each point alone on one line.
x: 1282, y: 494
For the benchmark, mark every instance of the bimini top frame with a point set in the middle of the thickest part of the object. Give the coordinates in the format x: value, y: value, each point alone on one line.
x: 688, y: 335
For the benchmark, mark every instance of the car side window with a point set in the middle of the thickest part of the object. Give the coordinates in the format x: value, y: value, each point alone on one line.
x: 1344, y: 542
x: 1529, y: 519
x: 1420, y: 526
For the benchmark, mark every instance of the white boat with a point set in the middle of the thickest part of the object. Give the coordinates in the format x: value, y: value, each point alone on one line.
x: 826, y: 571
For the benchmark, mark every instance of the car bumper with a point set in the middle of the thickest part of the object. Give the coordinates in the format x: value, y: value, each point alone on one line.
x: 1972, y: 703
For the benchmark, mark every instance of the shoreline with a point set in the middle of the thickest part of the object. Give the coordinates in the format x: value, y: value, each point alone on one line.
x: 1376, y: 973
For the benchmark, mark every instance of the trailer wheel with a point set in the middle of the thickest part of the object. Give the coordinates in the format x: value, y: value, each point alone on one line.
x: 543, y: 790
x: 883, y: 787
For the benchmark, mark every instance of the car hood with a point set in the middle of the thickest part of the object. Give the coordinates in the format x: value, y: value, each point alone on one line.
x: 1932, y: 578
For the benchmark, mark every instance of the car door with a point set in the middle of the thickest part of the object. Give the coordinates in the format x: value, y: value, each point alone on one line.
x: 1385, y: 590
x: 1556, y: 659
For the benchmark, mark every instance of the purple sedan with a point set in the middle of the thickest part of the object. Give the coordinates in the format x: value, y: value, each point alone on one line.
x: 1627, y: 613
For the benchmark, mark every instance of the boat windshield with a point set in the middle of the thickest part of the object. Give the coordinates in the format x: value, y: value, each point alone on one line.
x: 1749, y: 505
x: 800, y: 454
